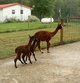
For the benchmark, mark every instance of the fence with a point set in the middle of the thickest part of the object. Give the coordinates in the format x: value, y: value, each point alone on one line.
x: 71, y: 31
x: 9, y: 41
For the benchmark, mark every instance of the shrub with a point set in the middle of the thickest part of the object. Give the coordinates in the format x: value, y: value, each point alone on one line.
x: 11, y: 20
x: 33, y: 19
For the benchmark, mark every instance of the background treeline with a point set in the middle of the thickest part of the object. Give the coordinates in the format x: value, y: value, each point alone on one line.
x: 51, y: 8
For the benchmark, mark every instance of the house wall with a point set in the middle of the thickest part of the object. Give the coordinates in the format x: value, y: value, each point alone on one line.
x: 7, y: 12
x: 1, y: 15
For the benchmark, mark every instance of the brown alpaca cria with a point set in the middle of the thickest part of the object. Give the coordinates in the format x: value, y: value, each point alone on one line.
x: 46, y: 36
x: 32, y: 49
x: 25, y: 50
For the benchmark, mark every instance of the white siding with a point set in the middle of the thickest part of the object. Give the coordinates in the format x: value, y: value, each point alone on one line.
x: 1, y: 15
x: 7, y: 12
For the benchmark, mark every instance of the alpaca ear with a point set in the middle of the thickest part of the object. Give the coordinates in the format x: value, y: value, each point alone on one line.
x: 62, y: 22
x: 29, y: 36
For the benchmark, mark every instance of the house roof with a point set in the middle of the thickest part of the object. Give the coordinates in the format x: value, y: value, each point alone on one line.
x: 12, y: 4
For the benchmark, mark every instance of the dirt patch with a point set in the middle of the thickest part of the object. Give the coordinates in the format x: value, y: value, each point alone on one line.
x: 61, y: 65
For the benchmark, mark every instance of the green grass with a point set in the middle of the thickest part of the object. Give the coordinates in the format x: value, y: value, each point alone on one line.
x: 22, y: 26
x: 9, y: 41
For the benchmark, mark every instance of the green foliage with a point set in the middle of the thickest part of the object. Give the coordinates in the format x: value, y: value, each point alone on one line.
x: 33, y: 19
x: 43, y: 8
x: 69, y: 8
x: 11, y: 20
x: 50, y: 8
x: 13, y: 1
x: 7, y: 1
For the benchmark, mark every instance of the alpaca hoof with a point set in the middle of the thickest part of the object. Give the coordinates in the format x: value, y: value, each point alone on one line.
x: 48, y: 52
x: 25, y: 63
x: 36, y: 60
x: 16, y: 67
x: 22, y: 63
x: 31, y: 62
x: 42, y: 52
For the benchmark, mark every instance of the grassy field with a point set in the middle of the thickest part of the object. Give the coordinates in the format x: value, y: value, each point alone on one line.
x: 12, y: 27
x: 9, y: 41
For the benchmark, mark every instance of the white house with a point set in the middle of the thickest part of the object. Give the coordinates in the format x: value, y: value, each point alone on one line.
x: 14, y: 10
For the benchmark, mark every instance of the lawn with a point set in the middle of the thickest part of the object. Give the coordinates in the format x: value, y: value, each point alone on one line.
x: 22, y: 26
x: 9, y: 41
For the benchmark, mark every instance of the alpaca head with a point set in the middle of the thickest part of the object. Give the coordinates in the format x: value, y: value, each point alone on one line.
x: 31, y: 39
x: 60, y: 26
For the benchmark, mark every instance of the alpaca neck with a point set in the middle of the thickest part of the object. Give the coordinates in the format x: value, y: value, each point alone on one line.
x: 33, y: 44
x: 29, y: 44
x: 54, y: 32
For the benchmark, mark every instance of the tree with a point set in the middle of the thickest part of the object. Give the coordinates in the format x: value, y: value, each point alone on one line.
x: 68, y: 8
x: 43, y: 8
x: 55, y: 8
x: 58, y: 8
x: 7, y: 1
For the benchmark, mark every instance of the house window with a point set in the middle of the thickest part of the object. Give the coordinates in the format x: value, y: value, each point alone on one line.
x: 13, y: 11
x: 21, y: 12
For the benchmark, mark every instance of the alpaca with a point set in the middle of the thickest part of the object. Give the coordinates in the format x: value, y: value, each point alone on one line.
x: 32, y: 49
x: 46, y: 36
x: 25, y: 50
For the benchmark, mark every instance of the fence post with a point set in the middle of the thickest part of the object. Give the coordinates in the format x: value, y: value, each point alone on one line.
x: 61, y: 36
x: 28, y: 22
x: 61, y: 32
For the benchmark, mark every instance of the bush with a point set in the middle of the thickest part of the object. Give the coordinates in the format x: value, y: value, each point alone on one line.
x: 11, y: 20
x: 33, y: 19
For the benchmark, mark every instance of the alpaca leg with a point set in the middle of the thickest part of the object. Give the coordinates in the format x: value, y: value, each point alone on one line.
x: 23, y: 56
x: 34, y: 56
x: 29, y: 59
x: 20, y: 60
x: 17, y: 57
x: 26, y: 58
x: 48, y: 45
x: 39, y: 46
x: 15, y: 60
x: 36, y: 45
